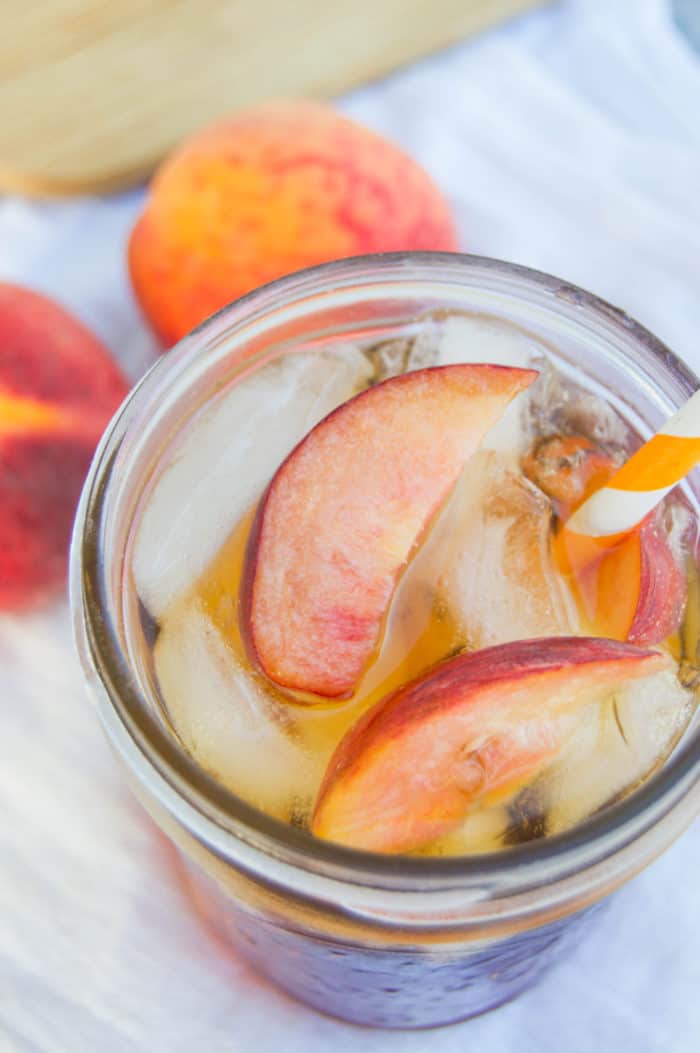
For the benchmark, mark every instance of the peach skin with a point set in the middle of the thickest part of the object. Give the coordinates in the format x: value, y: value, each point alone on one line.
x: 58, y: 389
x: 267, y: 192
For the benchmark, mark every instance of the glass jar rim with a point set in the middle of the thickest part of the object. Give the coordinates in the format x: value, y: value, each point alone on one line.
x: 215, y: 813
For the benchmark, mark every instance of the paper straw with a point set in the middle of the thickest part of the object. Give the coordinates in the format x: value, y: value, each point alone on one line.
x: 644, y: 479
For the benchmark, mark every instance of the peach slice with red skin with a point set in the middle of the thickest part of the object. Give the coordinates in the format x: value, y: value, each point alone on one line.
x: 636, y: 591
x: 344, y: 513
x: 630, y: 587
x: 410, y: 770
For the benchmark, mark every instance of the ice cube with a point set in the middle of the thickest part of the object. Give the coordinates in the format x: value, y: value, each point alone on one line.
x: 226, y: 457
x: 481, y: 338
x: 559, y: 406
x: 613, y: 746
x: 489, y: 557
x: 405, y: 354
x: 226, y: 721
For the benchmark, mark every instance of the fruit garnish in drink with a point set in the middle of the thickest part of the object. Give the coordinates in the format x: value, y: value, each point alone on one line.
x: 412, y: 767
x: 629, y: 587
x: 345, y: 511
x: 637, y: 591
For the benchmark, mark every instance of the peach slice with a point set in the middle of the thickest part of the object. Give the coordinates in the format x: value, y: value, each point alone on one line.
x: 412, y: 767
x: 638, y: 591
x: 629, y: 587
x: 345, y: 511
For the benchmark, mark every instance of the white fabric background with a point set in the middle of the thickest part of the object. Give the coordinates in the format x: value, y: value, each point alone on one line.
x: 568, y: 140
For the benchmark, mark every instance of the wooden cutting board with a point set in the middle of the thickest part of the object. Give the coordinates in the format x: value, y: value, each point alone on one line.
x: 93, y: 93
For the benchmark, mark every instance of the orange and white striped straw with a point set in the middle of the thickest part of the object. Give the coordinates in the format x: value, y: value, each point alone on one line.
x: 645, y: 479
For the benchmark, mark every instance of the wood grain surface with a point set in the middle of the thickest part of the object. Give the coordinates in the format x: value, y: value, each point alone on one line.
x: 93, y: 94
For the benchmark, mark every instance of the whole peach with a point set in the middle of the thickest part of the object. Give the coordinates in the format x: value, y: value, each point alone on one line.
x: 58, y: 389
x: 267, y: 192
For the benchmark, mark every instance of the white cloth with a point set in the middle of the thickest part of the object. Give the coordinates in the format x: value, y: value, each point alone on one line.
x: 569, y: 140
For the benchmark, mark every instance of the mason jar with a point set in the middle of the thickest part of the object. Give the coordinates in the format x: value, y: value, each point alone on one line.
x: 390, y: 941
